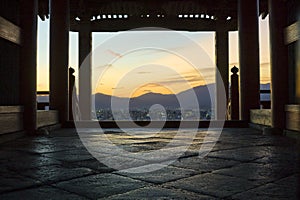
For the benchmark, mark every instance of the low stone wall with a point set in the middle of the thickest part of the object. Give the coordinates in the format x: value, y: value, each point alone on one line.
x: 261, y: 116
x: 11, y: 119
x: 293, y: 117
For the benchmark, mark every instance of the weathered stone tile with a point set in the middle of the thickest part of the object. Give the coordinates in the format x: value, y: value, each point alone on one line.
x: 163, y: 175
x: 243, y: 162
x: 241, y: 154
x: 164, y: 155
x: 287, y: 188
x: 213, y: 184
x: 11, y: 154
x: 257, y: 173
x: 34, y: 146
x: 29, y: 161
x: 159, y: 193
x: 56, y: 173
x: 65, y: 143
x: 13, y: 181
x: 46, y: 148
x: 290, y: 182
x: 205, y: 164
x: 101, y: 185
x: 225, y: 145
x: 95, y: 165
x: 41, y: 193
x: 122, y: 162
x: 70, y: 156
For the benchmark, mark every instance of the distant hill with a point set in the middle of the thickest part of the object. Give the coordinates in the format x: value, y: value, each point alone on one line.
x: 166, y: 100
x: 170, y: 101
x: 266, y: 86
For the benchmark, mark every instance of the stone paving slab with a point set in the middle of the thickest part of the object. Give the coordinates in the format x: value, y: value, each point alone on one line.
x: 94, y: 165
x: 122, y: 162
x: 56, y: 173
x: 205, y: 164
x: 28, y: 162
x: 246, y: 154
x: 243, y: 164
x: 216, y: 185
x: 163, y: 175
x: 101, y: 185
x: 258, y: 173
x: 10, y: 181
x: 42, y: 193
x: 159, y: 193
x: 286, y: 188
x: 70, y: 156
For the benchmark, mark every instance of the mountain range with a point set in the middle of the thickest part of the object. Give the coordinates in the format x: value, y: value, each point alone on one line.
x: 169, y: 101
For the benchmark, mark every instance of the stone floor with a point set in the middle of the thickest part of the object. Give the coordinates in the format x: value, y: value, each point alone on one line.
x: 243, y: 164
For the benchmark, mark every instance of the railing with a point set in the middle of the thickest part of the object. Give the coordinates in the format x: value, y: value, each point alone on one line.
x: 265, y: 104
x: 233, y: 104
x: 42, y: 105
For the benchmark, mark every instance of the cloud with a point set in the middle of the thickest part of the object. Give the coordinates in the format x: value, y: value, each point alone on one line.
x: 266, y: 64
x: 180, y: 80
x: 152, y: 85
x: 106, y: 65
x: 114, y: 53
x: 117, y: 88
x: 144, y: 72
x: 234, y: 64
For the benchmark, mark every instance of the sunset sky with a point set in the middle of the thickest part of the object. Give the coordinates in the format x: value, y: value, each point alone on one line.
x: 141, y: 71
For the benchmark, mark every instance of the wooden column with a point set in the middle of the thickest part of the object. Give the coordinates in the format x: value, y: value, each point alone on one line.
x: 59, y: 57
x: 249, y: 57
x: 279, y: 62
x: 28, y: 16
x: 222, y: 62
x: 71, y: 88
x: 85, y: 76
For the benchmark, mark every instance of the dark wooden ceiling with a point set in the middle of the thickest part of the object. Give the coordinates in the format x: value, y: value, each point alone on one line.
x: 120, y: 15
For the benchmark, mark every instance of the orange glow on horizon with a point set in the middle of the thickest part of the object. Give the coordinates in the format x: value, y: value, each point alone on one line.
x: 151, y: 88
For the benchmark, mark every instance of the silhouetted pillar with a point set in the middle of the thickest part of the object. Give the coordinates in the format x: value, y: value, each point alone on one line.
x: 59, y: 57
x: 222, y: 62
x: 249, y: 57
x: 85, y: 91
x: 71, y: 87
x: 28, y: 23
x: 279, y: 62
x: 234, y: 94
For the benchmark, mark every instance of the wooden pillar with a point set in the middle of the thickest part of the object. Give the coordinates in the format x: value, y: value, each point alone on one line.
x: 85, y: 91
x: 59, y: 57
x: 222, y: 62
x: 249, y: 57
x: 28, y: 16
x: 279, y: 62
x: 234, y: 94
x: 71, y: 88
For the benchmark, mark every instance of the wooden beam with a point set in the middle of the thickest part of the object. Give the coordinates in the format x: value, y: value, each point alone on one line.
x: 10, y: 31
x: 292, y: 33
x: 114, y: 25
